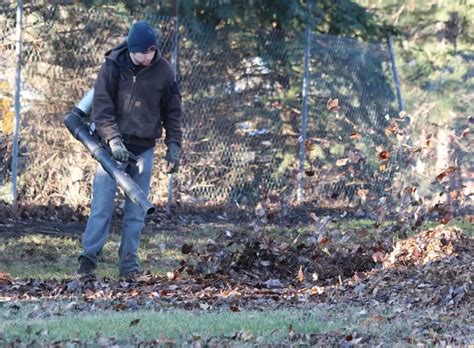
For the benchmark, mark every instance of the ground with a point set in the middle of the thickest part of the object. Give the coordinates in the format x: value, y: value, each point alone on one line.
x: 216, y: 280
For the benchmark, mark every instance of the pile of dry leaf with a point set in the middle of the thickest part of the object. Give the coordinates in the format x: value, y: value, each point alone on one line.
x: 433, y: 268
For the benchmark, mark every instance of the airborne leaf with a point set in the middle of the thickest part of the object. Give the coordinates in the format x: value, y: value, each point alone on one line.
x: 384, y: 155
x: 342, y: 162
x: 333, y: 104
x: 356, y: 136
x: 445, y: 173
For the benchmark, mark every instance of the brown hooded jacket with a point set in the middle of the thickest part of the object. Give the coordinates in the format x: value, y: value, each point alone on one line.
x: 137, y: 108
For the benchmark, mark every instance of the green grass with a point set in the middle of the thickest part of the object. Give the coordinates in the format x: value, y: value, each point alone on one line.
x: 270, y: 326
x: 377, y: 324
x: 45, y: 256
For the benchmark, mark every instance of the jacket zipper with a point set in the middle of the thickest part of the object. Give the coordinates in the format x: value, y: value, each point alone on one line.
x: 134, y: 80
x: 126, y: 116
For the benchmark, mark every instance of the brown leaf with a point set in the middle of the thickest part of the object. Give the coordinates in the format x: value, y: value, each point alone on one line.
x: 333, y: 104
x: 309, y: 172
x: 444, y: 220
x: 362, y: 193
x: 234, y: 308
x: 144, y: 278
x: 342, y: 162
x: 314, y: 217
x: 120, y: 307
x: 317, y: 290
x: 301, y: 274
x: 416, y: 149
x: 324, y: 241
x: 376, y: 317
x: 441, y: 176
x: 465, y: 133
x: 379, y: 256
x: 134, y: 322
x: 172, y: 275
x: 5, y: 278
x: 455, y: 195
x: 308, y: 145
x: 391, y: 129
x: 356, y: 136
x: 384, y: 155
x: 448, y: 171
x: 186, y: 248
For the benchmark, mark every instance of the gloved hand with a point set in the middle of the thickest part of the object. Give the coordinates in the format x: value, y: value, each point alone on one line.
x: 119, y: 151
x: 172, y: 157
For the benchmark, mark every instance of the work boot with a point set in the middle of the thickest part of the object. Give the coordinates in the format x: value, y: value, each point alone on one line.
x: 136, y: 275
x: 86, y: 266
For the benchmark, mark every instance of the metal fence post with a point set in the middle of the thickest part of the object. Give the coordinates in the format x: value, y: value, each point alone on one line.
x: 401, y: 104
x: 304, y: 113
x: 174, y: 63
x: 16, y: 125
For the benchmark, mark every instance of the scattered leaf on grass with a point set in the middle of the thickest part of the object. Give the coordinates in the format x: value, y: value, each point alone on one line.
x: 134, y: 322
x: 234, y: 308
x: 120, y: 307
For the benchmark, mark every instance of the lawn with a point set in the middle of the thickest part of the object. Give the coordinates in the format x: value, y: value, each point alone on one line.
x: 222, y: 283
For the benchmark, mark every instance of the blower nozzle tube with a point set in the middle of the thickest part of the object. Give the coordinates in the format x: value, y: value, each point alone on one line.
x: 81, y: 131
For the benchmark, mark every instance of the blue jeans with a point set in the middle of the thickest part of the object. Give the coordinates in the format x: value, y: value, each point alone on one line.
x: 102, y: 206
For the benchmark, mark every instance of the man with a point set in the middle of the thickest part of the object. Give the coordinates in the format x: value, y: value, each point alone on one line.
x: 135, y: 97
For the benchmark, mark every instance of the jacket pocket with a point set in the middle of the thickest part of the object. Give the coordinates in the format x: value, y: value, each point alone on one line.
x: 143, y: 120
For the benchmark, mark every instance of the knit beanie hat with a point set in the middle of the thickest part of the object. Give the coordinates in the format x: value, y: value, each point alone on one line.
x: 141, y: 37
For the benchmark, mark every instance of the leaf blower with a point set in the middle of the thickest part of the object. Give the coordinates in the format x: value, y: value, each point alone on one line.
x: 74, y: 121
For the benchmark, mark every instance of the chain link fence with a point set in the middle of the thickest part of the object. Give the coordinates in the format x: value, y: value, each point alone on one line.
x: 242, y: 99
x: 345, y: 137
